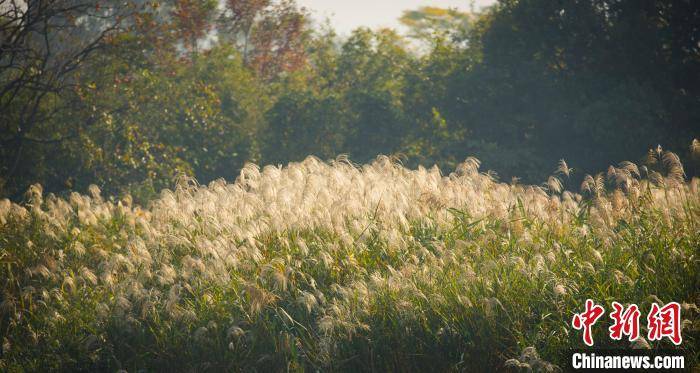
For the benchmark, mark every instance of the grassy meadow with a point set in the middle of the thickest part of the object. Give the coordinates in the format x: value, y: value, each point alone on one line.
x: 333, y: 266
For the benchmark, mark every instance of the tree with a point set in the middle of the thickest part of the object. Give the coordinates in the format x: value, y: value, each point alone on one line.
x: 198, y: 118
x: 351, y: 102
x: 271, y: 36
x: 560, y: 79
x: 45, y: 43
x: 193, y: 21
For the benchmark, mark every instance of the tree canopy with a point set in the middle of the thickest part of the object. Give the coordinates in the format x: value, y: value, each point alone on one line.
x: 130, y: 95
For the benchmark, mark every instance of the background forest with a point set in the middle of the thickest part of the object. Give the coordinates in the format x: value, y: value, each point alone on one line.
x: 129, y: 95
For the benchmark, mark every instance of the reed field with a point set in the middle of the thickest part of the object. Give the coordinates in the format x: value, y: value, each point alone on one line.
x: 332, y: 266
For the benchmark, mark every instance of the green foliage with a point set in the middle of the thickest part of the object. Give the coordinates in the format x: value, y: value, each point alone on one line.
x: 520, y: 85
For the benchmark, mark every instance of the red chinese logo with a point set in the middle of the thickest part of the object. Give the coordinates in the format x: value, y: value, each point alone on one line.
x: 665, y: 322
x: 625, y: 322
x: 661, y: 321
x: 586, y: 320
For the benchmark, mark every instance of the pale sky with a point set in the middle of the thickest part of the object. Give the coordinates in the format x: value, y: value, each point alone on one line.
x: 346, y: 15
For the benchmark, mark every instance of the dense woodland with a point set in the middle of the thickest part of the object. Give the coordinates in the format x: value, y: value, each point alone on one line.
x: 130, y: 95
